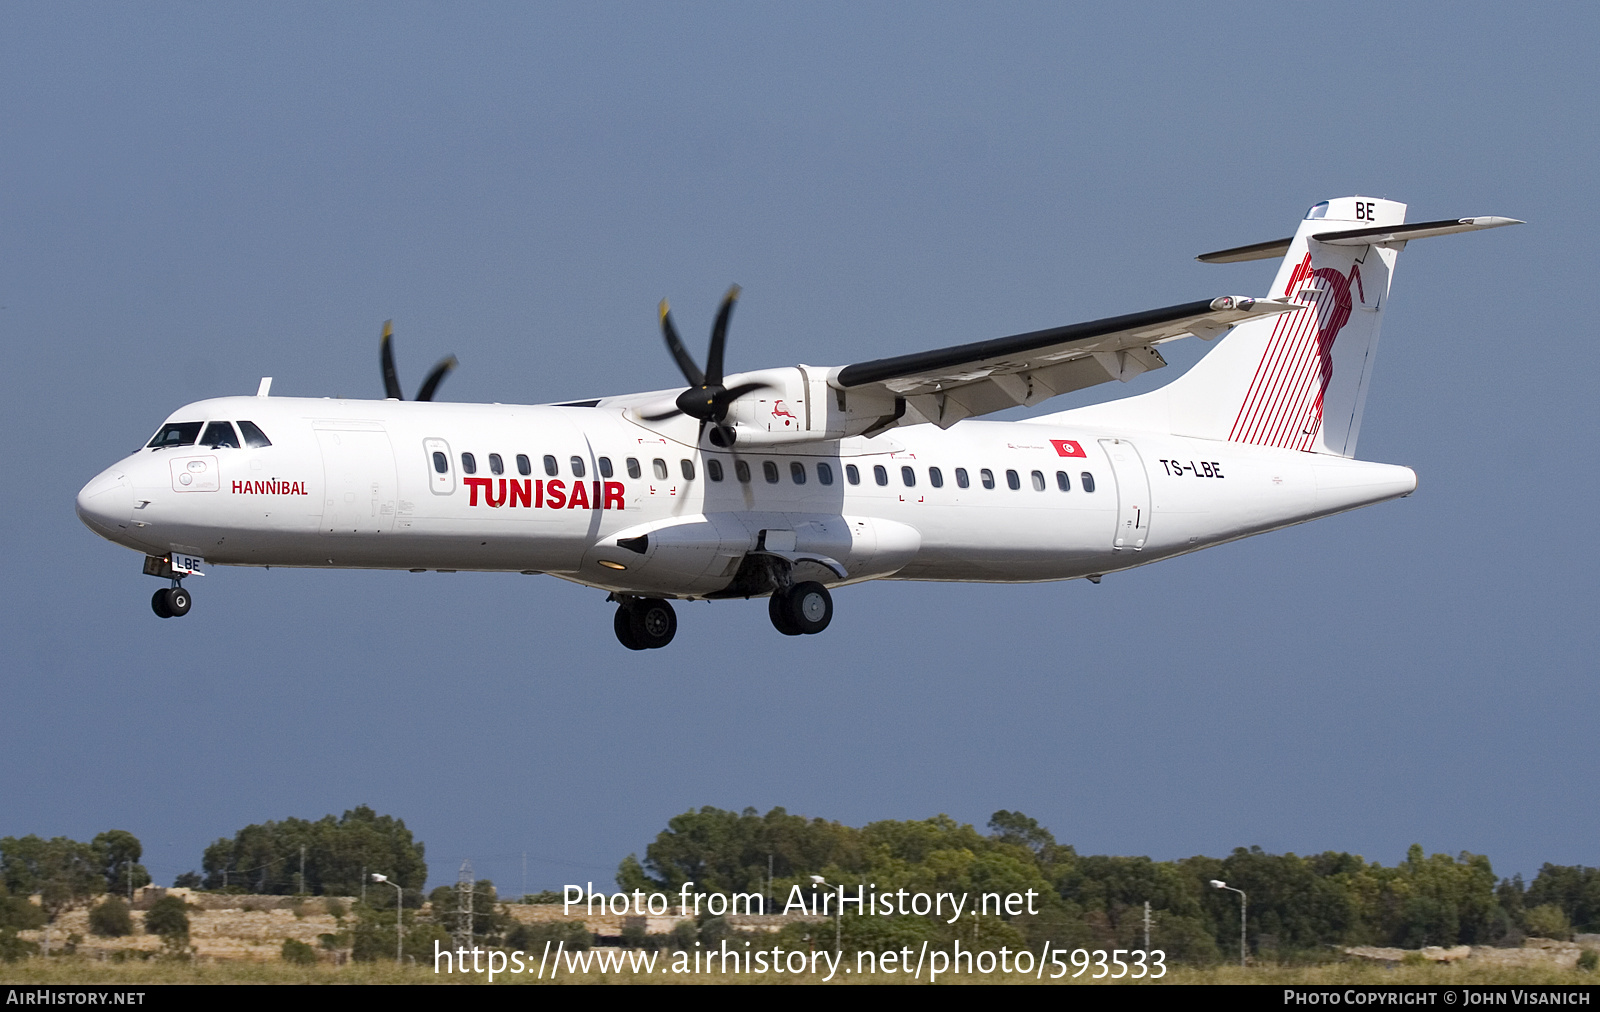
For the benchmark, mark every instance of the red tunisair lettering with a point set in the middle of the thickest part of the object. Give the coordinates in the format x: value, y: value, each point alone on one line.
x: 538, y: 493
x: 489, y: 490
x: 473, y: 484
x: 613, y: 499
x: 555, y: 493
x: 579, y: 498
x: 521, y: 491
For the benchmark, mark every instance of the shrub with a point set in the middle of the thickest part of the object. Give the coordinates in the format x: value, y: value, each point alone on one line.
x: 298, y: 953
x: 169, y: 918
x: 1547, y: 920
x: 1589, y: 961
x: 532, y: 937
x: 111, y: 918
x: 13, y: 948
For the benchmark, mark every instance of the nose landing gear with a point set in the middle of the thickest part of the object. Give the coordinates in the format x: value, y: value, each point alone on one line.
x: 647, y: 623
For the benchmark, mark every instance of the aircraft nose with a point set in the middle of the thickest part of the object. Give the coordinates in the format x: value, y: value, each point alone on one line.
x: 105, y: 505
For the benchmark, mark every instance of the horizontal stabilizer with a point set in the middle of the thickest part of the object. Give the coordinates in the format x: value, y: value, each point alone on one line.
x: 1417, y: 230
x: 1358, y: 237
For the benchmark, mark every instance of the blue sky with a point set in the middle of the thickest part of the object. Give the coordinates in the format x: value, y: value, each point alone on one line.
x: 194, y: 196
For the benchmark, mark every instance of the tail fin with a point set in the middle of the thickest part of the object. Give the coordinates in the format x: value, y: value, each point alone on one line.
x: 1297, y: 381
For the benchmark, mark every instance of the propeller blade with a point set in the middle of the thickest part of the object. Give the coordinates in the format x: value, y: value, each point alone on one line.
x: 734, y: 393
x: 719, y: 338
x: 431, y: 384
x: 680, y: 354
x: 391, y: 381
x: 674, y: 413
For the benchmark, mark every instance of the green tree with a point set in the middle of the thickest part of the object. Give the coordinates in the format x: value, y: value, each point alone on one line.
x: 266, y: 857
x: 63, y: 872
x: 119, y: 851
x: 489, y: 921
x: 1574, y: 888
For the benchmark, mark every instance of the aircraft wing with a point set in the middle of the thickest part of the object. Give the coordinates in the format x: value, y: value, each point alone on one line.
x: 949, y: 384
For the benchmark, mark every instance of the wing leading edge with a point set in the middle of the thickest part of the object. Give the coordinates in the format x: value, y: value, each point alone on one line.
x: 948, y: 384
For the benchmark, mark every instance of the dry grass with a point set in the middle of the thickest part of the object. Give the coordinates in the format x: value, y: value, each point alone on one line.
x: 78, y: 970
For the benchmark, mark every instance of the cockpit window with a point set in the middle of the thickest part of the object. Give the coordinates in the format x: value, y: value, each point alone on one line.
x: 219, y: 434
x: 176, y: 434
x: 253, y: 436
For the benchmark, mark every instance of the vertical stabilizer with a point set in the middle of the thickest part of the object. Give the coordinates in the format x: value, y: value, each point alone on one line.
x: 1299, y: 381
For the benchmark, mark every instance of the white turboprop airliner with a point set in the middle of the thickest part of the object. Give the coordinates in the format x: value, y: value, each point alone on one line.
x: 784, y: 482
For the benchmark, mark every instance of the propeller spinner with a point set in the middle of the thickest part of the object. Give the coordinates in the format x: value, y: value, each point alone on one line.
x: 706, y: 399
x: 391, y: 379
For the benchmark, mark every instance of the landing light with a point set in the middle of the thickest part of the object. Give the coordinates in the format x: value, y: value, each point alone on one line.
x: 612, y: 565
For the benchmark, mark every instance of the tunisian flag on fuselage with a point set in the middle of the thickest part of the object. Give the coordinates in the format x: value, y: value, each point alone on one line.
x: 1067, y: 448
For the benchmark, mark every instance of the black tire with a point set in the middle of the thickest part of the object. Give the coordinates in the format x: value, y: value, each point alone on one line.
x: 623, y: 624
x: 810, y: 607
x: 653, y: 623
x: 158, y: 603
x: 778, y: 610
x: 178, y: 601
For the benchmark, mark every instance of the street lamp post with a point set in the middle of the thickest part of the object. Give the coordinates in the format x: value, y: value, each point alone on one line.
x: 399, y: 904
x: 837, y: 909
x: 1219, y: 884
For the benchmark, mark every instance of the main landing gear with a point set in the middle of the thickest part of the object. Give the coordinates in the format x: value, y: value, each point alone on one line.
x: 649, y: 623
x: 801, y: 610
x: 644, y: 623
x: 171, y: 602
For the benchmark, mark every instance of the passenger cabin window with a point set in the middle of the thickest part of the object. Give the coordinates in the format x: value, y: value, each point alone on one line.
x: 852, y: 474
x: 1088, y: 481
x: 469, y: 464
x: 605, y: 467
x: 660, y: 467
x: 987, y: 477
x: 741, y: 470
x: 797, y: 471
x: 880, y: 474
x: 714, y: 469
x: 824, y: 473
x: 633, y: 467
x: 909, y: 476
x: 1038, y: 481
x: 577, y: 467
x: 496, y: 465
x: 1013, y: 480
x: 962, y: 481
x: 935, y: 477
x: 686, y: 466
x: 769, y: 471
x: 441, y: 463
x: 219, y: 434
x: 253, y: 436
x: 550, y: 467
x: 524, y: 465
x: 176, y: 434
x: 1063, y: 482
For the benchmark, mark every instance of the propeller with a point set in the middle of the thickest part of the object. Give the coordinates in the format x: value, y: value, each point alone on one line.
x: 706, y: 399
x: 391, y: 380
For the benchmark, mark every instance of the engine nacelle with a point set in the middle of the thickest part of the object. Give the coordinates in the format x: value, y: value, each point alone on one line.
x: 797, y: 405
